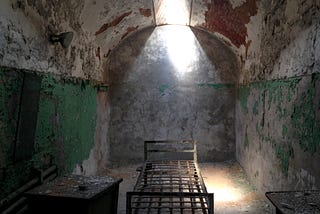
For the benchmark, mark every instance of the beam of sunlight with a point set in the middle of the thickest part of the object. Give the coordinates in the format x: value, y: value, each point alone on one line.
x: 181, y: 47
x: 178, y: 52
x: 223, y: 190
x: 172, y: 12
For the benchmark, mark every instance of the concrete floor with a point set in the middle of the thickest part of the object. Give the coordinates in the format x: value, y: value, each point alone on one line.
x: 233, y: 192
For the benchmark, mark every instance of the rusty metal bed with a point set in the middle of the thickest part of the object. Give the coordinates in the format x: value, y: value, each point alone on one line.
x: 170, y: 181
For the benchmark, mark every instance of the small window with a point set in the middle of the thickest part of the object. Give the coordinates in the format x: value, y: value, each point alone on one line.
x: 172, y: 12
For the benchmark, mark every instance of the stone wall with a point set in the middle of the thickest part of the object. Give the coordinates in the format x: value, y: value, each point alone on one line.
x: 277, y: 107
x: 172, y: 83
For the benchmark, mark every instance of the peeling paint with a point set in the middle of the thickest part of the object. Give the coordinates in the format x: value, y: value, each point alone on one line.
x: 65, y: 127
x: 285, y: 112
x: 231, y: 22
x: 129, y: 30
x: 145, y: 12
x: 63, y: 104
x: 163, y: 87
x: 304, y: 120
x: 283, y: 35
x: 113, y: 23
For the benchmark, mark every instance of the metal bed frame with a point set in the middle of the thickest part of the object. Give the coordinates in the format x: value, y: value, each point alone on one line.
x: 170, y: 181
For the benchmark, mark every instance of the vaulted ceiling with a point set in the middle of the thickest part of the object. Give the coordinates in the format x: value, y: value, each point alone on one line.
x: 117, y: 19
x: 257, y: 31
x: 100, y: 25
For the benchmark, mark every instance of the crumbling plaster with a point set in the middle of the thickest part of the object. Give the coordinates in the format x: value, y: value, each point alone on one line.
x: 277, y: 114
x: 24, y: 39
x: 115, y: 20
x: 98, y: 27
x: 284, y: 37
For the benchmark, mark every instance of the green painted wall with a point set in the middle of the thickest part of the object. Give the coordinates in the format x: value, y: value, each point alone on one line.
x: 281, y: 113
x: 65, y: 127
x: 66, y: 119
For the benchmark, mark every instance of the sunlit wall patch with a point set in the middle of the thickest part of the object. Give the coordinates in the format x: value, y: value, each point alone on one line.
x: 172, y: 12
x: 182, y: 47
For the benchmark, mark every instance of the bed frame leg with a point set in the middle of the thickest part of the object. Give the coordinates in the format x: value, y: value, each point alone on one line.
x: 128, y: 209
x: 211, y: 203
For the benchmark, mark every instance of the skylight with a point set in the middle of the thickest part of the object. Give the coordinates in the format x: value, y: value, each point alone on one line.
x: 175, y: 12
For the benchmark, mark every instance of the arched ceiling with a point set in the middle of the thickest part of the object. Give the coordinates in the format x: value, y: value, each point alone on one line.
x: 257, y: 31
x: 112, y: 21
x: 100, y: 25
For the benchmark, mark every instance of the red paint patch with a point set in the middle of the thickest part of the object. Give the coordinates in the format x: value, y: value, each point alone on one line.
x: 145, y: 12
x: 114, y: 22
x: 129, y: 30
x: 222, y: 18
